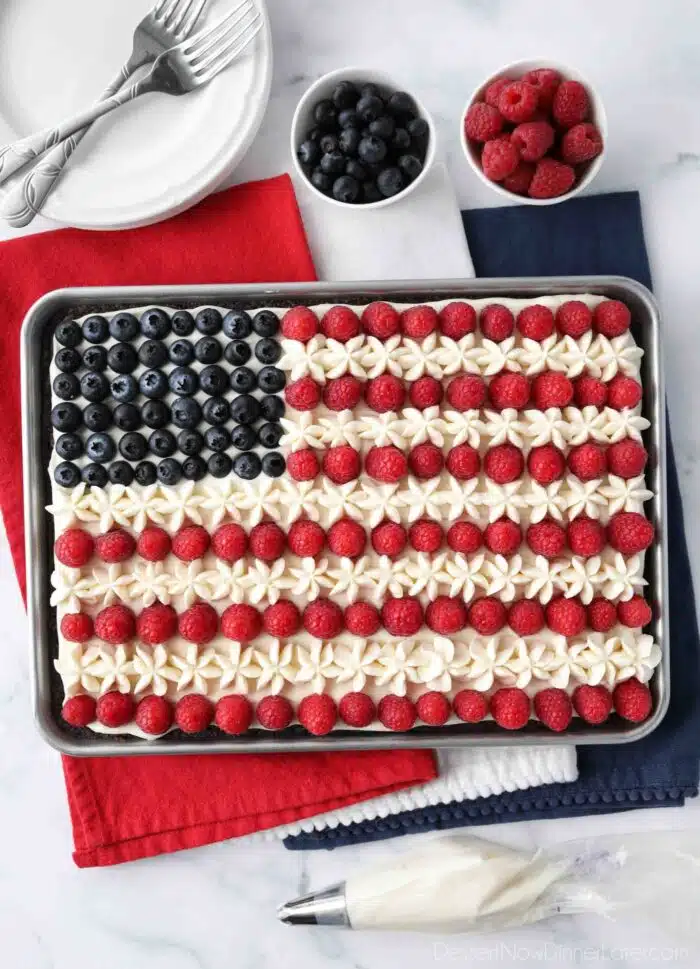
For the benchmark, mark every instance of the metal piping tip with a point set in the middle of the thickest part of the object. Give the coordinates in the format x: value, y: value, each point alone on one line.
x: 326, y: 907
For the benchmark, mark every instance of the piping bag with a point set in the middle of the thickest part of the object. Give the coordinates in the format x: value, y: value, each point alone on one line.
x: 465, y: 884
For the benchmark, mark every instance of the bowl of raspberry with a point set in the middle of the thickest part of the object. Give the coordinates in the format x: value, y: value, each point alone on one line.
x: 535, y: 131
x: 360, y: 140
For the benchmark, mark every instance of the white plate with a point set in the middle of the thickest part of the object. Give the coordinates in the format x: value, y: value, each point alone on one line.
x: 149, y: 159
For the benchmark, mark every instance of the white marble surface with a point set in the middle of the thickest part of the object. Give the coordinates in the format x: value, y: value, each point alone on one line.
x: 215, y: 906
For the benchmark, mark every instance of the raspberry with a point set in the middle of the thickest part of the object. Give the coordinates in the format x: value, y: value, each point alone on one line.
x: 77, y: 627
x: 115, y: 546
x: 592, y: 703
x: 553, y: 709
x: 303, y: 394
x: 517, y: 102
x: 602, y: 615
x: 632, y: 700
x: 323, y: 619
x: 74, y: 548
x: 526, y: 617
x: 566, y: 616
x: 611, y: 318
x: 574, y: 318
x: 281, y: 619
x: 545, y: 81
x: 446, y: 615
x: 341, y: 464
x: 402, y: 617
x: 470, y: 706
x: 153, y: 544
x: 586, y: 537
x: 317, y: 712
x: 624, y: 392
x: 510, y: 708
x: 389, y: 538
x: 425, y: 392
x: 362, y: 619
x: 115, y: 624
x: 193, y: 713
x: 396, y: 712
x: 546, y: 464
x: 588, y: 461
x: 154, y: 715
x: 551, y: 389
x: 570, y: 104
x: 425, y: 461
x: 464, y: 537
x: 380, y: 320
x: 533, y: 139
x: 79, y: 711
x: 551, y: 179
x: 425, y: 536
x: 463, y: 462
x: 503, y: 463
x: 466, y: 392
x: 156, y: 624
x: 386, y: 464
x: 433, y: 708
x: 306, y: 538
x: 418, y: 322
x: 457, y: 319
x: 241, y: 622
x: 229, y: 542
x: 343, y: 393
x: 340, y: 323
x: 385, y: 393
x: 482, y: 122
x: 274, y: 712
x: 487, y: 615
x: 299, y: 323
x: 347, y: 538
x: 356, y: 709
x: 580, y: 144
x: 503, y: 537
x: 590, y: 392
x: 519, y: 180
x: 499, y: 159
x: 303, y: 465
x: 630, y: 533
x: 509, y: 390
x: 234, y: 714
x: 190, y: 543
x: 497, y: 322
x: 546, y: 538
x: 267, y: 541
x: 493, y: 91
x: 536, y: 322
x: 199, y: 623
x: 114, y: 709
x: 635, y: 613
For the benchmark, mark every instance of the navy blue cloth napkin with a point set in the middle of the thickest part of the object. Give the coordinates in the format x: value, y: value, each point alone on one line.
x: 593, y: 235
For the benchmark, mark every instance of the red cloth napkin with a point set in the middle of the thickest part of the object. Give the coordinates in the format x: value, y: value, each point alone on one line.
x: 131, y: 807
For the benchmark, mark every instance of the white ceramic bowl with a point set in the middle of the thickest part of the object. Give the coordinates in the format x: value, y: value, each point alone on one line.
x: 322, y: 88
x: 516, y: 70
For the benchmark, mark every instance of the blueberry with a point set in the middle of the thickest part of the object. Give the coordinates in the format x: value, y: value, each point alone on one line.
x: 382, y: 127
x: 95, y: 329
x: 333, y: 162
x: 214, y: 380
x: 208, y: 321
x: 216, y: 410
x: 127, y: 417
x: 162, y: 443
x: 182, y: 324
x: 355, y: 170
x: 243, y: 380
x: 66, y: 417
x: 66, y: 475
x: 194, y: 468
x: 145, y: 473
x: 243, y: 437
x: 97, y: 417
x: 315, y: 134
x: 271, y: 380
x: 328, y: 143
x: 346, y: 189
x: 245, y: 409
x: 183, y: 382
x: 270, y: 435
x: 68, y: 334
x: 94, y: 475
x: 370, y: 193
x: 265, y: 323
x: 155, y: 324
x: 410, y: 166
x: 370, y: 90
x: 401, y: 105
x: 153, y: 353
x: 169, y: 471
x: 66, y: 386
x: 217, y: 438
x: 207, y: 350
x: 325, y: 114
x: 95, y: 358
x: 219, y: 465
x: 154, y: 383
x: 308, y: 152
x: 344, y: 95
x: 271, y: 408
x: 401, y: 140
x: 121, y: 473
x: 133, y: 447
x: 181, y: 352
x: 237, y: 325
x: 190, y: 442
x: 69, y: 447
x: 369, y: 108
x: 186, y: 412
x: 155, y: 414
x: 122, y: 358
x: 348, y: 118
x: 100, y: 448
x: 273, y: 464
x: 247, y: 466
x: 418, y: 130
x: 349, y: 141
x: 94, y: 386
x: 390, y: 182
x: 268, y: 351
x: 237, y: 353
x: 124, y: 327
x: 125, y: 388
x: 321, y: 181
x: 68, y: 360
x: 372, y: 150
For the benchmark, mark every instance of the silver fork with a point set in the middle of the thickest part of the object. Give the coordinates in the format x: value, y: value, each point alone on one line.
x: 167, y: 24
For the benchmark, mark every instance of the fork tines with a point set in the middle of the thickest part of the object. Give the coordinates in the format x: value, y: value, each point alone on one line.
x: 212, y: 48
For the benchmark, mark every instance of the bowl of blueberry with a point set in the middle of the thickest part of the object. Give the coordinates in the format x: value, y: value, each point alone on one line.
x: 358, y: 139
